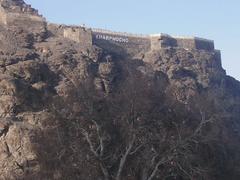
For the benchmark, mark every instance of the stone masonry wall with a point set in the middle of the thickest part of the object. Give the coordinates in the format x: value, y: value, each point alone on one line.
x: 132, y: 44
x: 163, y: 41
x: 122, y: 44
x: 18, y: 18
x: 186, y: 43
x: 204, y: 44
x: 14, y: 17
x: 79, y: 34
x: 16, y: 10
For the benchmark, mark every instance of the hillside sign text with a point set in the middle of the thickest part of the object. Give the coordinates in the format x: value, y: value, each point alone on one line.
x: 112, y: 38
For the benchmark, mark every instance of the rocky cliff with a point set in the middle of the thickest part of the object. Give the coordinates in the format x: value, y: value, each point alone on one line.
x: 69, y: 111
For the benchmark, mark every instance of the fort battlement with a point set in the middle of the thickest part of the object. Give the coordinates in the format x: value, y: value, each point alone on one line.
x: 125, y: 34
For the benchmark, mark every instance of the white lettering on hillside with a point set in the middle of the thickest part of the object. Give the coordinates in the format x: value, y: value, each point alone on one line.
x: 112, y: 38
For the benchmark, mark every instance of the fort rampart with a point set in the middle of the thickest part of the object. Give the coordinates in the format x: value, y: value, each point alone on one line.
x: 134, y: 43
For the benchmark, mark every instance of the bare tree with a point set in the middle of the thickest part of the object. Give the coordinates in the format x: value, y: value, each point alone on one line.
x: 98, y: 151
x: 137, y: 115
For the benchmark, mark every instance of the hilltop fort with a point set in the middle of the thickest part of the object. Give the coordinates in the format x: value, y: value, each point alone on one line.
x: 17, y: 13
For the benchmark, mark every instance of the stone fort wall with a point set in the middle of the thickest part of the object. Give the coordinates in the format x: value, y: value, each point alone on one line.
x: 121, y: 43
x: 133, y: 44
x: 23, y: 20
x: 81, y: 35
x: 11, y: 14
x: 163, y: 40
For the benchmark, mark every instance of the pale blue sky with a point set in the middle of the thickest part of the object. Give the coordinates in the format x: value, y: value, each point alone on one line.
x: 213, y: 19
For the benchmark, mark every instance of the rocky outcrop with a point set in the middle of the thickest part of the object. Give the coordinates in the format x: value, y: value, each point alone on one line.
x: 188, y: 70
x: 42, y: 74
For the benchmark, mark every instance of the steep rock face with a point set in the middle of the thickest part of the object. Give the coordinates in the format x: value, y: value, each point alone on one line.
x: 187, y: 70
x: 38, y: 68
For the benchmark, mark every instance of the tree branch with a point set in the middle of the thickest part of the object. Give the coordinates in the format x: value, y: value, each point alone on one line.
x: 95, y: 151
x: 154, y: 172
x: 100, y: 138
x: 124, y: 157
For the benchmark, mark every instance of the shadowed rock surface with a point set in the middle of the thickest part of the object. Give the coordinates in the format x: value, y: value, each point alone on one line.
x: 56, y: 92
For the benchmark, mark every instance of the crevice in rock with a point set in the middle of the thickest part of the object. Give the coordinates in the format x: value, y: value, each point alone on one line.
x: 4, y: 131
x: 7, y: 149
x: 19, y: 166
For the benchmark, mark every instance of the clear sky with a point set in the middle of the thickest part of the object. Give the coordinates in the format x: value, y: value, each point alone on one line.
x: 218, y: 20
